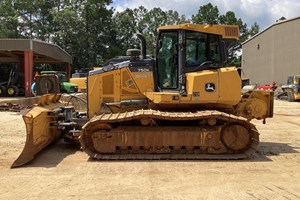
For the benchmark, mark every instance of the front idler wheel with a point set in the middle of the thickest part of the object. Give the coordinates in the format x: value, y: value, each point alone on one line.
x: 235, y: 137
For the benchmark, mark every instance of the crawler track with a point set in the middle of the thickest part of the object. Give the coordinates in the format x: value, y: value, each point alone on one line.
x: 156, y: 135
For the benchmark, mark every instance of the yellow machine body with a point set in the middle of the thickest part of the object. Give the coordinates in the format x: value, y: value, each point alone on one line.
x: 81, y: 82
x: 39, y: 132
x: 122, y: 84
x: 226, y: 31
x: 227, y: 89
x: 167, y: 107
x: 115, y: 86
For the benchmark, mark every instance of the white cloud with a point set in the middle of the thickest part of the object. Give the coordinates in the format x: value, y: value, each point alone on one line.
x: 264, y: 12
x: 253, y: 7
x: 286, y: 8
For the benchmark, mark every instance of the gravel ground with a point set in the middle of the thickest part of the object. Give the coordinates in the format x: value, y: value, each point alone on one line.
x: 62, y: 171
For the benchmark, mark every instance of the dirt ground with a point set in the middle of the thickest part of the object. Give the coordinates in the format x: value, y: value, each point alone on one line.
x: 61, y: 171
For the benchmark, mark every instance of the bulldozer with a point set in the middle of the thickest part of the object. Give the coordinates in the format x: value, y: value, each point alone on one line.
x: 183, y: 103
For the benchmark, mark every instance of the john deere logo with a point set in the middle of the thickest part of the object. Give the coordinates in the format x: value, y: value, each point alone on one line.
x: 210, y: 87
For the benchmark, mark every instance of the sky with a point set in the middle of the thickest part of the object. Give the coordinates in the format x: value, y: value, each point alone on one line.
x: 264, y: 12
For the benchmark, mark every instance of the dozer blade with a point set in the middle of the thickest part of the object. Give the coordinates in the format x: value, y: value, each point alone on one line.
x: 40, y: 131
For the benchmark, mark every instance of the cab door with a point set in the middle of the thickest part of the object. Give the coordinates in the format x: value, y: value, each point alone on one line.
x: 167, y: 71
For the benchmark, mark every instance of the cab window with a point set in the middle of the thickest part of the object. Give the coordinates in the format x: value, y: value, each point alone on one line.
x: 201, y: 47
x: 167, y: 60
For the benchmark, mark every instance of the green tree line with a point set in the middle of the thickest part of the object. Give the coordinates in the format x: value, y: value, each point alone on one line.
x: 91, y: 31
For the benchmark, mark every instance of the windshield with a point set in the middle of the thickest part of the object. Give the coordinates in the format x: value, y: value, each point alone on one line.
x: 201, y: 47
x: 167, y: 60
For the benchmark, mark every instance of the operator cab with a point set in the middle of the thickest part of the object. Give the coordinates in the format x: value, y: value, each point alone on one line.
x: 181, y: 51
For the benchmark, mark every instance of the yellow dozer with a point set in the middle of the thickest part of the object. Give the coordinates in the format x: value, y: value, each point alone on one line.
x: 185, y: 103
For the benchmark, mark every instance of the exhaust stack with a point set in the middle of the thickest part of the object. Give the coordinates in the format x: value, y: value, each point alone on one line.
x: 143, y: 44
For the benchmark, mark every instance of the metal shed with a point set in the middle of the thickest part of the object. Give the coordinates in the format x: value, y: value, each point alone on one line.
x: 273, y: 54
x: 26, y: 52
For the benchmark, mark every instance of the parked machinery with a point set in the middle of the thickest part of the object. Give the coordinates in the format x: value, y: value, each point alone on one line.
x: 292, y: 88
x: 185, y: 103
x: 52, y: 82
x: 80, y: 78
x: 13, y: 86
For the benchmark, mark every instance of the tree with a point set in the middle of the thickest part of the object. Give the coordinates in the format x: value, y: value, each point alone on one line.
x: 228, y: 18
x: 254, y: 29
x: 131, y: 21
x: 125, y: 28
x: 154, y: 19
x: 27, y: 16
x: 97, y: 22
x: 281, y: 19
x: 8, y: 20
x: 44, y: 20
x: 82, y: 28
x: 173, y: 17
x: 139, y: 15
x: 92, y: 32
x: 207, y: 14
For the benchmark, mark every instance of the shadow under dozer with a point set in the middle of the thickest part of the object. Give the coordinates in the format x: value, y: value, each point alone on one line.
x: 40, y: 131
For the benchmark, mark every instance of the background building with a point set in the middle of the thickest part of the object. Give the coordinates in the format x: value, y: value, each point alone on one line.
x: 273, y: 54
x: 25, y: 53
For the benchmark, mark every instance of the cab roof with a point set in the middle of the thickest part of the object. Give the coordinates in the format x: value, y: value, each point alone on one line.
x: 227, y: 31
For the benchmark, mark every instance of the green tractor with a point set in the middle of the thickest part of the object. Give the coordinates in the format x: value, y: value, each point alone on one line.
x: 53, y: 82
